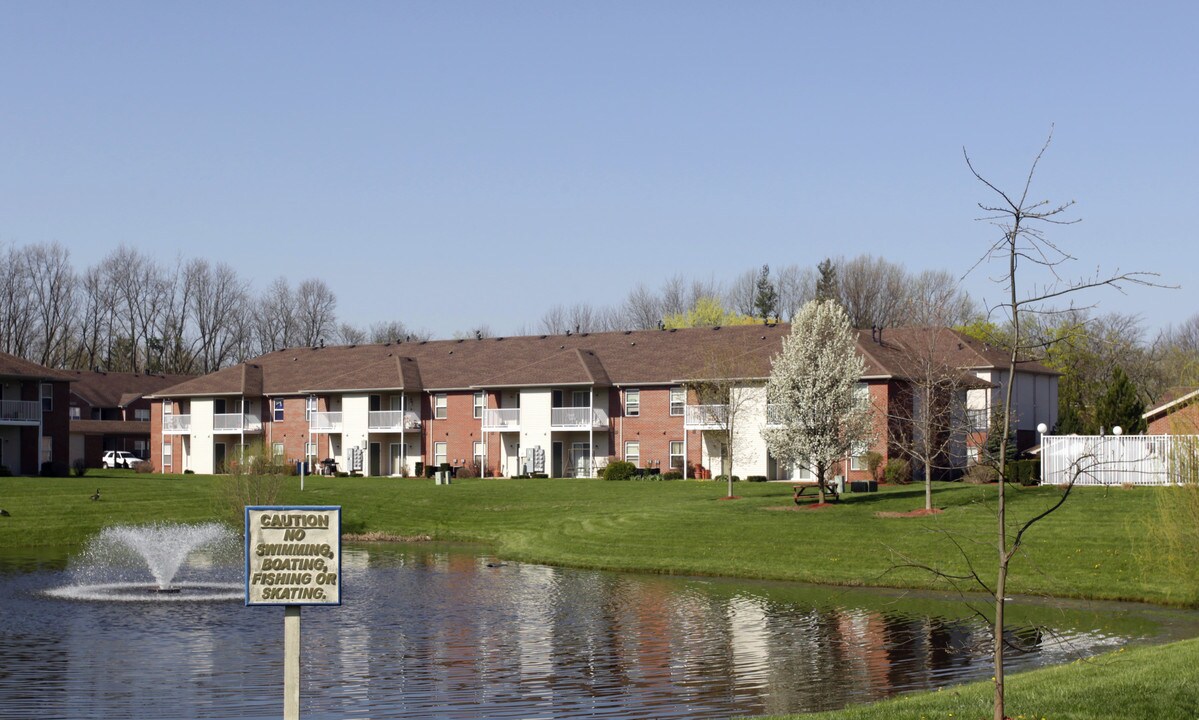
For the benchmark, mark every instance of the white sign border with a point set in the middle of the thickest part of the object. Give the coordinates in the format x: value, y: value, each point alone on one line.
x: 291, y: 508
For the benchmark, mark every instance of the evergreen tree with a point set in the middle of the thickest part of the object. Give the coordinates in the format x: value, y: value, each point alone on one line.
x: 766, y: 299
x: 1121, y: 405
x: 1068, y: 420
x: 826, y: 286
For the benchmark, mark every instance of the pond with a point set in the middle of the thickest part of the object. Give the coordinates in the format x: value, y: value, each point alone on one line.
x: 430, y: 631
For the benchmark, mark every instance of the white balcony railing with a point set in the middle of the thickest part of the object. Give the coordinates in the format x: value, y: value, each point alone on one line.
x: 393, y: 420
x: 235, y: 422
x: 578, y: 417
x: 176, y: 424
x: 705, y: 417
x: 20, y: 411
x: 501, y: 419
x: 324, y: 422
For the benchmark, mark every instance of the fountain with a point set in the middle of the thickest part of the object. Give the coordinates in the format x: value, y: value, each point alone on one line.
x: 158, y: 562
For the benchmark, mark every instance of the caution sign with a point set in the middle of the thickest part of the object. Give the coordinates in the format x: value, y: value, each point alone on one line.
x: 293, y: 555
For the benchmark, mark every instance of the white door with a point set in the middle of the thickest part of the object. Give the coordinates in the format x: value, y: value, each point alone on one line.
x: 399, y: 458
x: 580, y: 459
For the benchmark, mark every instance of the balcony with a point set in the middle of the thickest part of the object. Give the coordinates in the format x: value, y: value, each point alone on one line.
x: 706, y: 417
x: 176, y: 424
x: 392, y: 420
x: 20, y: 412
x: 324, y: 422
x: 774, y: 416
x: 501, y: 420
x: 235, y: 423
x: 577, y: 418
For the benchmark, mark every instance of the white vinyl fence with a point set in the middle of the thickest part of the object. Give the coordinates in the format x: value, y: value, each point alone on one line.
x: 1119, y: 459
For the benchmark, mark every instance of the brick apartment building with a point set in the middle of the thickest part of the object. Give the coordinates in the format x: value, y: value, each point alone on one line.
x: 33, y: 415
x: 556, y: 404
x: 111, y: 411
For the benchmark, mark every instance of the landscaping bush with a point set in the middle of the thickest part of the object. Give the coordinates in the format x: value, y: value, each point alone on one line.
x: 671, y: 475
x: 420, y: 469
x: 539, y: 476
x: 430, y: 471
x: 54, y: 469
x: 898, y: 471
x: 189, y: 472
x: 874, y: 464
x: 619, y: 470
x: 755, y: 478
x: 145, y: 467
x: 80, y: 467
x: 981, y: 475
x: 1025, y: 472
x: 725, y: 478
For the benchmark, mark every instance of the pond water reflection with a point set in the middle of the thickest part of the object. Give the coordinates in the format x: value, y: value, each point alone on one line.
x: 436, y: 632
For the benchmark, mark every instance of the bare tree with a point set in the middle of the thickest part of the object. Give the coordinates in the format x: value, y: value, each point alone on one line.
x: 137, y: 286
x: 347, y: 334
x: 724, y: 394
x: 16, y: 309
x: 796, y: 287
x: 218, y: 299
x: 936, y: 298
x: 1022, y: 222
x: 872, y: 290
x: 643, y: 309
x: 741, y: 292
x: 275, y: 322
x: 315, y: 308
x: 54, y: 300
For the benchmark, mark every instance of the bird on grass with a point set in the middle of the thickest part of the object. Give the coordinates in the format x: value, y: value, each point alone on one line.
x: 96, y: 496
x: 5, y: 513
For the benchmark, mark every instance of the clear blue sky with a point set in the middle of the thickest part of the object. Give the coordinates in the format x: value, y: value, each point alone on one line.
x: 560, y: 152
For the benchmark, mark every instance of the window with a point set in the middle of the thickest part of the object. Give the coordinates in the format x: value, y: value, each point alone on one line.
x: 168, y: 455
x: 676, y: 454
x: 75, y: 412
x: 277, y: 452
x: 309, y: 407
x: 140, y: 447
x: 47, y: 397
x: 857, y: 462
x: 439, y: 454
x: 632, y: 403
x: 678, y: 398
x: 632, y: 453
x: 278, y: 409
x: 47, y: 448
x: 972, y: 455
x: 218, y: 406
x: 138, y: 414
x: 440, y: 406
x: 480, y: 399
x: 309, y: 450
x: 580, y: 398
x: 168, y: 408
x: 479, y: 451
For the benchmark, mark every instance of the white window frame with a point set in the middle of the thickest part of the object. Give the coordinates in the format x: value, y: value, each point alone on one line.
x: 679, y: 455
x: 310, y: 405
x: 168, y: 408
x: 441, y: 406
x: 679, y: 404
x: 47, y: 448
x: 75, y: 412
x: 580, y: 398
x: 309, y: 450
x: 141, y: 414
x: 168, y: 455
x: 632, y: 402
x: 277, y: 410
x: 632, y: 452
x: 479, y: 451
x: 440, y: 454
x: 480, y: 402
x: 277, y: 451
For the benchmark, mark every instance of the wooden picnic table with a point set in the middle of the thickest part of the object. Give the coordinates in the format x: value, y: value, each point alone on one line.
x: 798, y: 489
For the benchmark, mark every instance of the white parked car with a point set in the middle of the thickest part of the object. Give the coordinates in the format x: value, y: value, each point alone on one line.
x: 120, y: 459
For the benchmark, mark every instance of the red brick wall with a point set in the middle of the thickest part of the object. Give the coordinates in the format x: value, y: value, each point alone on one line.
x: 291, y: 431
x: 460, y: 430
x: 654, y: 428
x: 1182, y: 421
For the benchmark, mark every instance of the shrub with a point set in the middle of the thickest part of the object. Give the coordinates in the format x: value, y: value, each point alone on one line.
x: 619, y: 470
x: 874, y: 464
x: 671, y: 475
x: 756, y: 478
x: 4, y: 471
x: 539, y: 476
x: 145, y: 467
x: 420, y: 469
x: 80, y: 467
x: 254, y: 477
x: 898, y: 471
x: 189, y: 472
x: 981, y: 475
x: 725, y: 478
x: 1025, y: 472
x: 54, y: 469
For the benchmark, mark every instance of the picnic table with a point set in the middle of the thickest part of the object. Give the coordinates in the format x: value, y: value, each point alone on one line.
x: 798, y: 489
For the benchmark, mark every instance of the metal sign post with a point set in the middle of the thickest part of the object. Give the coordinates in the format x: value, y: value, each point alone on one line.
x: 293, y: 558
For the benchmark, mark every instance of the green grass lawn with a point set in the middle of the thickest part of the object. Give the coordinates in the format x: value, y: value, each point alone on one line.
x: 1151, y: 683
x: 1093, y: 547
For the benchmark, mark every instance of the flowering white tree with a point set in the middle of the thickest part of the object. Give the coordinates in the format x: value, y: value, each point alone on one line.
x: 813, y: 394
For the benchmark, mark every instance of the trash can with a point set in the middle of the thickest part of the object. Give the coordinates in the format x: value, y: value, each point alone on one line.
x: 839, y: 484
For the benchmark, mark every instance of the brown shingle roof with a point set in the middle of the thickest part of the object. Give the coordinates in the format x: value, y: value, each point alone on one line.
x: 13, y: 366
x: 111, y: 427
x: 644, y: 357
x: 115, y: 389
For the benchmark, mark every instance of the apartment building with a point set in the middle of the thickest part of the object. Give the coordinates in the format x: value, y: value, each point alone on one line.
x: 33, y: 415
x: 562, y: 405
x: 111, y: 411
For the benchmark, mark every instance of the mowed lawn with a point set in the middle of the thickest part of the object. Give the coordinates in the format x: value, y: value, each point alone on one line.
x: 1095, y: 546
